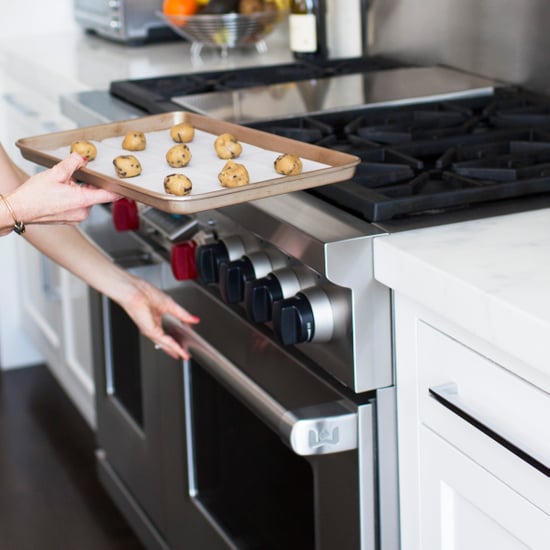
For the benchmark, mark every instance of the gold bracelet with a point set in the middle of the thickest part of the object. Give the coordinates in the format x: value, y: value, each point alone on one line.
x: 18, y: 225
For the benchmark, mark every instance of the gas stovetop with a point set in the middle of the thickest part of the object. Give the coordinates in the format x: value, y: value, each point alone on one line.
x: 423, y: 163
x: 435, y: 158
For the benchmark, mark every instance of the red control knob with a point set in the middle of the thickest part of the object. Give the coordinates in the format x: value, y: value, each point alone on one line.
x: 182, y: 260
x: 125, y: 215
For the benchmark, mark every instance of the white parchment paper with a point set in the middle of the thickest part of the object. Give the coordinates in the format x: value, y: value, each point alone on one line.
x: 202, y: 170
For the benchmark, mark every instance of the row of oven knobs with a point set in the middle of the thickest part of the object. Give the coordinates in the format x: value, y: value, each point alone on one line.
x: 297, y: 314
x: 298, y: 311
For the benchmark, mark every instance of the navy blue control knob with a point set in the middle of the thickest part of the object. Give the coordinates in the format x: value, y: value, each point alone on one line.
x: 293, y: 320
x: 259, y: 296
x: 233, y: 277
x: 209, y: 258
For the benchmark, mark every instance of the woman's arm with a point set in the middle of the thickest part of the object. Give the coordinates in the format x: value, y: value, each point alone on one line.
x: 66, y: 245
x: 143, y: 302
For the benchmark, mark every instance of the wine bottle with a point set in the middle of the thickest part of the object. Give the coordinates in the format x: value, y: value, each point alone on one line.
x: 307, y: 29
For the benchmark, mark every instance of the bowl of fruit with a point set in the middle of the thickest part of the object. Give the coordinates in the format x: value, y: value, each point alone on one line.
x: 224, y: 23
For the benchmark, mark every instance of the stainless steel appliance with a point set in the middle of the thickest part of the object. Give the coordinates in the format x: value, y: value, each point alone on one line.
x: 336, y: 94
x: 131, y: 21
x: 156, y: 95
x: 438, y: 163
x: 290, y: 308
x: 253, y: 444
x: 450, y: 147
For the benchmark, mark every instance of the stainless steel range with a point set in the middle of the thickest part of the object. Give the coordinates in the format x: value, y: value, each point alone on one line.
x: 280, y: 433
x: 270, y: 437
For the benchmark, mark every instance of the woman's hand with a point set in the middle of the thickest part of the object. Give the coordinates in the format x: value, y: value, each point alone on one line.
x: 146, y: 306
x: 53, y: 196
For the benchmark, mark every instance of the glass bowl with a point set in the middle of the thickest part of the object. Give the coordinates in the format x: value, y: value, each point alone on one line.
x: 224, y: 31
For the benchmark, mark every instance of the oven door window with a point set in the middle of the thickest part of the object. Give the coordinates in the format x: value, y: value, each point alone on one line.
x: 123, y: 370
x: 247, y: 482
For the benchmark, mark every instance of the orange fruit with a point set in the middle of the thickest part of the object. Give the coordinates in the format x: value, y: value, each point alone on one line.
x: 180, y: 7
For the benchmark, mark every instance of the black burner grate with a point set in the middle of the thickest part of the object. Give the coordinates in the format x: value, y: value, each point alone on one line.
x: 423, y: 158
x: 435, y: 157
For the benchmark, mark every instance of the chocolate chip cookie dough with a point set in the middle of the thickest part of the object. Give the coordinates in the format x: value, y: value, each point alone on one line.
x: 85, y: 149
x: 178, y: 156
x: 288, y: 165
x: 182, y: 133
x: 177, y: 184
x: 227, y: 146
x: 233, y: 175
x: 134, y: 141
x: 127, y: 166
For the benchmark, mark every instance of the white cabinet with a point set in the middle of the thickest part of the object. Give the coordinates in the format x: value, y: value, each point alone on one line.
x: 45, y: 317
x: 55, y: 312
x: 464, y: 507
x: 474, y: 441
x: 17, y: 118
x: 41, y: 299
x: 16, y: 21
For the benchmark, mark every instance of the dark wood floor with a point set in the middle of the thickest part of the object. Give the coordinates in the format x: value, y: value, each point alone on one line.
x: 50, y: 497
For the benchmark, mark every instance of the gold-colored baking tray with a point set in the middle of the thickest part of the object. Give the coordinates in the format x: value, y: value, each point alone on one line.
x: 321, y: 166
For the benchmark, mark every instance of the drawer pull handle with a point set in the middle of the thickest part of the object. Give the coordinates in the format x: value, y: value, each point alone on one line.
x: 447, y: 395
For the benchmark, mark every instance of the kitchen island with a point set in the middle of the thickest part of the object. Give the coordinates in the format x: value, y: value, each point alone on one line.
x: 472, y: 333
x: 489, y: 277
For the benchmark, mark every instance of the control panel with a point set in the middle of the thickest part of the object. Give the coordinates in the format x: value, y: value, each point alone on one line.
x: 303, y: 277
x: 269, y: 286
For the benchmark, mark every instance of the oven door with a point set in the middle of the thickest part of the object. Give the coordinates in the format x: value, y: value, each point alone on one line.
x: 127, y: 405
x: 264, y: 453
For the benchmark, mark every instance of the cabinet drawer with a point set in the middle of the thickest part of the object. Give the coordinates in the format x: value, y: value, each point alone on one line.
x: 464, y: 507
x: 491, y: 414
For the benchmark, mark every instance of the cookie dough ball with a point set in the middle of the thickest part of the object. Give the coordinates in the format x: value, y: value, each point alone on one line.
x: 177, y: 184
x: 134, y: 141
x: 182, y: 133
x: 85, y: 149
x: 288, y: 165
x: 178, y: 156
x: 227, y: 146
x: 233, y: 175
x: 127, y: 166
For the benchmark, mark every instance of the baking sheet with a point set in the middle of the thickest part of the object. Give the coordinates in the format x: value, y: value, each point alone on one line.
x: 321, y: 166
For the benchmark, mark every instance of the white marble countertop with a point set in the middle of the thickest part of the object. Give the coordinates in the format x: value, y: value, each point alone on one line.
x: 74, y: 61
x: 490, y: 277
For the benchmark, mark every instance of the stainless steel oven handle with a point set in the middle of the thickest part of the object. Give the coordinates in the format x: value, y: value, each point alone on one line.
x: 448, y: 396
x: 326, y: 428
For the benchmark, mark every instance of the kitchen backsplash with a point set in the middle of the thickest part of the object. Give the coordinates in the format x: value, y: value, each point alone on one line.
x: 507, y: 40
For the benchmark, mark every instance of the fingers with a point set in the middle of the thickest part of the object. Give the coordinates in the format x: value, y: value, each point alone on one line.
x: 183, y: 315
x: 97, y: 195
x: 169, y: 346
x: 64, y: 170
